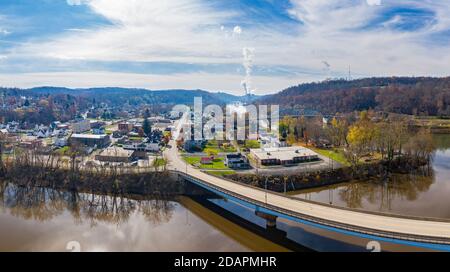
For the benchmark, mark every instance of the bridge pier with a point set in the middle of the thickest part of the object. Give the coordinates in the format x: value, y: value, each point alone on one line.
x: 271, y: 220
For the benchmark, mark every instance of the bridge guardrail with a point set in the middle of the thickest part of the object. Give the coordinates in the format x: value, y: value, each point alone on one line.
x: 352, y: 228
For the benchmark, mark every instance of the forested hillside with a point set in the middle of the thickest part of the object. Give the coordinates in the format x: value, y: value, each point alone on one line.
x: 420, y: 96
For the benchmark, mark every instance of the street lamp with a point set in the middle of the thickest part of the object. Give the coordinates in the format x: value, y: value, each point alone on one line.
x: 266, y: 190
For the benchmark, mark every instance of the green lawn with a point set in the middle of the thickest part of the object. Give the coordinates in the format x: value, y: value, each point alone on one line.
x: 136, y: 138
x: 159, y: 162
x: 221, y: 173
x: 212, y: 144
x: 229, y: 149
x: 334, y: 154
x: 191, y: 160
x: 217, y: 164
x: 252, y: 144
x: 63, y: 151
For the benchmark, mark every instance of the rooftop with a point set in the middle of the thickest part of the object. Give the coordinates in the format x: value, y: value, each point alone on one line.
x: 89, y: 136
x: 282, y: 153
x: 116, y: 152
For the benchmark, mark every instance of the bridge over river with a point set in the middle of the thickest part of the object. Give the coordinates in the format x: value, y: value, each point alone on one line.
x: 428, y: 233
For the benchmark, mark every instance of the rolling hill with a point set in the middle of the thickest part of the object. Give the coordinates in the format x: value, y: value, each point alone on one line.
x: 405, y: 95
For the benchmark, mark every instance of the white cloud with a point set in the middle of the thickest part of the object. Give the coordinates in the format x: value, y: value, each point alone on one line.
x: 193, y: 31
x: 4, y: 32
x: 157, y: 30
x: 374, y: 2
x: 336, y: 30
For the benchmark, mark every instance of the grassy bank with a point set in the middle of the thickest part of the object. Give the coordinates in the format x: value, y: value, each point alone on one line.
x: 221, y: 173
x: 334, y: 154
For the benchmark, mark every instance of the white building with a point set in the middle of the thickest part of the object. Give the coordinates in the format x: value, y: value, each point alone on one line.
x: 148, y: 147
x: 42, y: 131
x: 283, y: 155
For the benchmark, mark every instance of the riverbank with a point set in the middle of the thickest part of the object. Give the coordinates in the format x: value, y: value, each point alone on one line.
x: 148, y: 183
x: 308, y: 180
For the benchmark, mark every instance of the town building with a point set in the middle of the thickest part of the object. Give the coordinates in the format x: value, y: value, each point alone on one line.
x: 207, y: 160
x: 193, y: 145
x: 283, y: 155
x: 61, y: 142
x: 12, y: 127
x: 159, y: 119
x: 30, y: 143
x: 95, y: 124
x: 42, y: 132
x: 140, y: 146
x: 125, y: 127
x: 98, y: 131
x: 116, y: 154
x: 236, y: 161
x: 63, y: 127
x: 99, y: 141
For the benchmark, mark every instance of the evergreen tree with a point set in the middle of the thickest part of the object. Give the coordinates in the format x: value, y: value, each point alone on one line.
x: 146, y: 126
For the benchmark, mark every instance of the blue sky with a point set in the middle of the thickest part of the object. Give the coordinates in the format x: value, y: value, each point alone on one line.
x: 163, y: 44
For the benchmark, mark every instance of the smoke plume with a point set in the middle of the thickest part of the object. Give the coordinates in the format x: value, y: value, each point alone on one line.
x: 248, y: 54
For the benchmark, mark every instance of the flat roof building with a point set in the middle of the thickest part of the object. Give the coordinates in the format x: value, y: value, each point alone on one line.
x: 90, y: 140
x: 283, y: 155
x: 115, y: 154
x: 236, y: 161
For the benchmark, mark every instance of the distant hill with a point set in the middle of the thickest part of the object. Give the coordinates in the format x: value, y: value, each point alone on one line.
x: 406, y: 95
x: 113, y: 95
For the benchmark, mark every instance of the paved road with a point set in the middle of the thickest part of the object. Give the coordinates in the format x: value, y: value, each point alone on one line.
x: 433, y: 229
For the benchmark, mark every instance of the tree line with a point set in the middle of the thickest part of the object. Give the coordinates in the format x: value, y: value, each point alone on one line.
x: 413, y: 96
x: 365, y: 135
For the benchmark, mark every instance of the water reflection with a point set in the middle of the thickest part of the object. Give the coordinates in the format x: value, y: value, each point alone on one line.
x: 43, y: 204
x: 42, y: 219
x: 424, y: 193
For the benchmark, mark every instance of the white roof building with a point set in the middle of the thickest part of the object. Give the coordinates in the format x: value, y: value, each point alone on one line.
x: 283, y: 155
